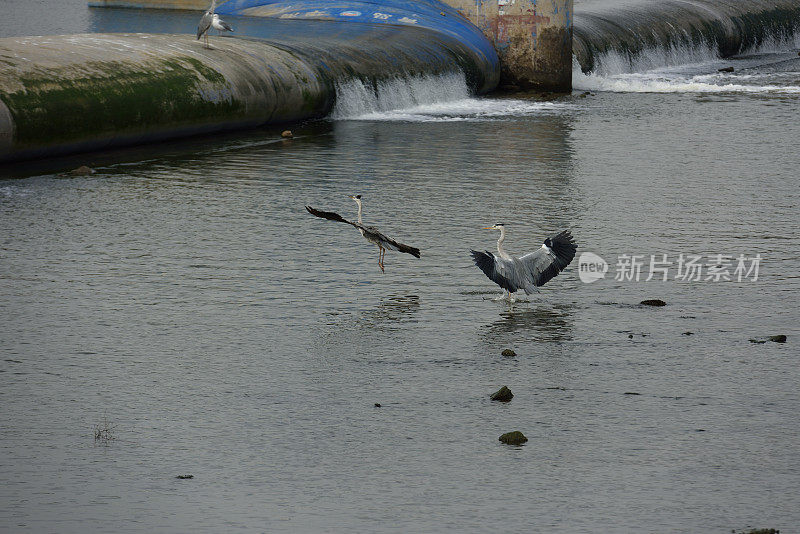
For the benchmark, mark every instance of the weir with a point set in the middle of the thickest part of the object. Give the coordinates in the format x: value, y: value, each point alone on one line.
x: 62, y: 94
x: 676, y: 31
x: 288, y: 60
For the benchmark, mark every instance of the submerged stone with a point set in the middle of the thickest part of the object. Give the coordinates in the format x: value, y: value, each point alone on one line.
x: 775, y: 339
x: 513, y: 438
x: 184, y: 477
x: 508, y: 352
x: 726, y: 69
x: 83, y: 170
x: 502, y: 395
x: 287, y: 134
x: 653, y: 302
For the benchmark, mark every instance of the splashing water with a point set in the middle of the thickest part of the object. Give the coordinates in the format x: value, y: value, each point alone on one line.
x: 681, y: 66
x: 354, y: 98
x: 431, y: 98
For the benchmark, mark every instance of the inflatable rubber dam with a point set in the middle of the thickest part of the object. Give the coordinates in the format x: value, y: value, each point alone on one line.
x: 639, y: 34
x: 69, y: 93
x: 287, y: 61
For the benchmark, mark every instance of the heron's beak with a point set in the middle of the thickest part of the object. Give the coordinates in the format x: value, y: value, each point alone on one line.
x: 488, y: 228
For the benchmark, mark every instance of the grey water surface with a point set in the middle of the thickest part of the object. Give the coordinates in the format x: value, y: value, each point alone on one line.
x: 183, y: 296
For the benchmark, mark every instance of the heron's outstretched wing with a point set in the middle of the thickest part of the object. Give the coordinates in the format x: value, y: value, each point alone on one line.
x: 205, y: 24
x: 493, y: 268
x: 555, y: 254
x: 531, y: 270
x: 332, y: 216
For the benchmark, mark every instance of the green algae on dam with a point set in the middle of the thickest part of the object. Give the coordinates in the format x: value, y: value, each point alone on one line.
x: 131, y: 99
x: 71, y: 93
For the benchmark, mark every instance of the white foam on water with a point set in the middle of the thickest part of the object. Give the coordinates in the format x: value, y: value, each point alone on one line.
x: 430, y: 98
x: 661, y: 82
x: 12, y: 191
x: 355, y: 98
x: 682, y: 67
x: 682, y: 53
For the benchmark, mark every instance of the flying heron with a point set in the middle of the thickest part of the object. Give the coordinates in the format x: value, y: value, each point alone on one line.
x: 205, y: 23
x: 370, y: 233
x: 529, y: 271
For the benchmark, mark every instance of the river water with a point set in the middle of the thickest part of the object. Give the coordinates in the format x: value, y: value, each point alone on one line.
x: 183, y: 299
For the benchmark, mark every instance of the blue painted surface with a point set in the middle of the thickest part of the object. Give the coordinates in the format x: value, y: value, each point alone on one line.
x: 429, y: 14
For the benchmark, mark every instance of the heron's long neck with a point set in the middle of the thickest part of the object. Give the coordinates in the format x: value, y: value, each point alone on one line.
x: 359, y: 213
x: 500, y: 243
x: 213, y: 6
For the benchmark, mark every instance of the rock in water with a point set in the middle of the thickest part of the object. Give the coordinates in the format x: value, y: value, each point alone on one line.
x: 775, y: 339
x: 502, y: 395
x: 508, y: 352
x: 83, y: 170
x: 185, y: 477
x: 287, y: 134
x: 725, y: 69
x: 513, y: 438
x: 653, y: 302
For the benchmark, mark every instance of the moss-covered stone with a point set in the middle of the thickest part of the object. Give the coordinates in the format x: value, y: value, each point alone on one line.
x: 502, y: 395
x: 513, y: 438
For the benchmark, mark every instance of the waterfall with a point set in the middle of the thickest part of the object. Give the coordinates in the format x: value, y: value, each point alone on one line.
x: 356, y: 97
x: 613, y: 38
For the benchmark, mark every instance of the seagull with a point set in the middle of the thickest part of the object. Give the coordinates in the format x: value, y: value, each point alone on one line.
x: 529, y: 271
x: 205, y: 23
x: 219, y: 24
x: 370, y: 233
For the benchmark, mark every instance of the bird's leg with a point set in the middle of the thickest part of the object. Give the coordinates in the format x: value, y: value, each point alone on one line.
x: 380, y: 259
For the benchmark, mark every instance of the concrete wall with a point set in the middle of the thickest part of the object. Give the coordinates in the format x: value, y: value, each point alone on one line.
x: 533, y: 39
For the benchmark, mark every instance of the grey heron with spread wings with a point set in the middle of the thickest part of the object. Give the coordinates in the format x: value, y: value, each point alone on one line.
x: 370, y: 233
x: 529, y: 271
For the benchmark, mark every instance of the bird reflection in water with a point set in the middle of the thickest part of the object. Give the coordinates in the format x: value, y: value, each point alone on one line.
x: 539, y: 324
